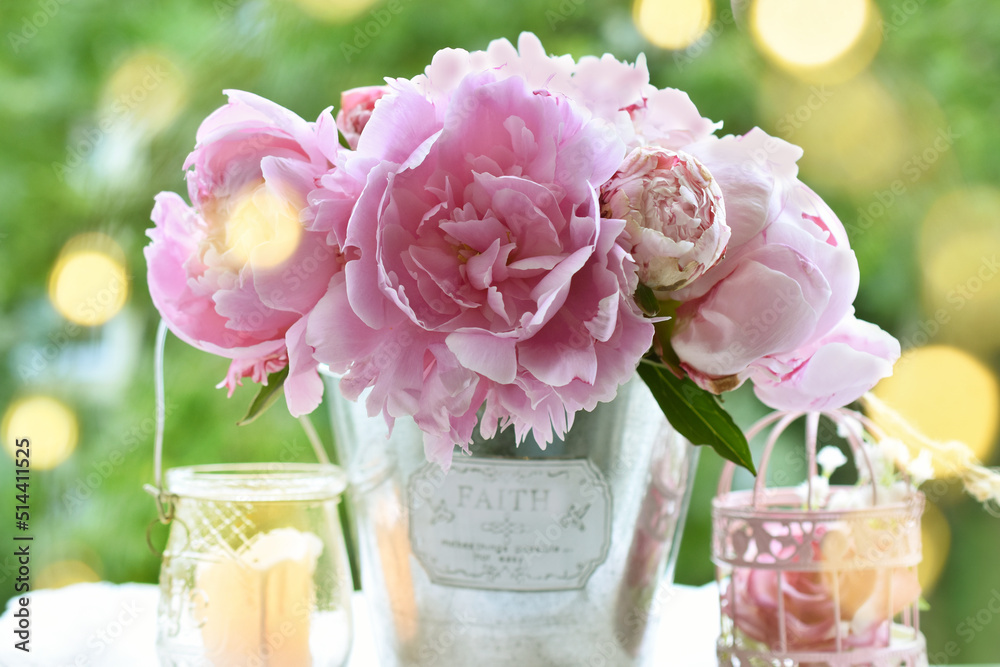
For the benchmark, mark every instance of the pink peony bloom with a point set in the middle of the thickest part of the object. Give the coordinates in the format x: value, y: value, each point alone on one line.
x: 356, y: 107
x: 480, y: 274
x: 235, y: 273
x: 831, y: 372
x: 789, y: 275
x: 675, y: 219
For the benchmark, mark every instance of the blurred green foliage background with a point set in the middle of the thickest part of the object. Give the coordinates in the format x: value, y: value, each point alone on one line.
x: 99, y: 104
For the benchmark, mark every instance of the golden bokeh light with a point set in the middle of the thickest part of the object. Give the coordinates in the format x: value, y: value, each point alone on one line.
x: 89, y: 283
x: 936, y: 541
x: 49, y: 425
x: 972, y: 209
x: 148, y: 90
x: 65, y: 573
x: 672, y: 24
x: 947, y: 394
x: 855, y: 135
x: 342, y: 11
x: 959, y: 247
x: 962, y: 268
x: 809, y: 32
x: 826, y: 41
x: 263, y: 229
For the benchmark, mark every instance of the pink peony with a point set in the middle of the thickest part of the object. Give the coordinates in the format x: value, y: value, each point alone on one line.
x: 480, y: 274
x: 356, y: 107
x: 675, y: 219
x: 789, y: 275
x: 235, y: 273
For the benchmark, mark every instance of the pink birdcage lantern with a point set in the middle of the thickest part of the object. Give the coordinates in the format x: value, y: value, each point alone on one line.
x: 819, y: 575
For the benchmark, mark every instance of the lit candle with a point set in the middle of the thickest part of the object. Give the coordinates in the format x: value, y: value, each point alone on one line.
x: 258, y: 604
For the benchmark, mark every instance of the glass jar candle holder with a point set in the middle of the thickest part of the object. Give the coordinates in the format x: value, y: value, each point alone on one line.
x: 255, y: 571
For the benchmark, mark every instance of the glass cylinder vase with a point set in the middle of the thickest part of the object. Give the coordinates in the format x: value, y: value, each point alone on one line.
x: 255, y: 572
x: 518, y: 555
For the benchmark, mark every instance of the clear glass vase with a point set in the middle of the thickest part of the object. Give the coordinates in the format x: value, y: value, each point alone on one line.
x: 255, y: 572
x: 518, y: 555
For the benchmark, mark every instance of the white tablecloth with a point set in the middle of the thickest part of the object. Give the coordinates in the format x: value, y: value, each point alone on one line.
x: 108, y: 625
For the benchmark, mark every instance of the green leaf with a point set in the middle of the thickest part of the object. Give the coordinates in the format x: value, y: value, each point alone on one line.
x: 646, y: 299
x: 696, y: 414
x: 266, y: 397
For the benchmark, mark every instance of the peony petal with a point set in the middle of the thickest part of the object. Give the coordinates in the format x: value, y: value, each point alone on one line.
x: 336, y: 333
x: 833, y: 372
x: 489, y: 355
x: 398, y: 126
x: 303, y: 386
x: 559, y: 353
x: 289, y: 180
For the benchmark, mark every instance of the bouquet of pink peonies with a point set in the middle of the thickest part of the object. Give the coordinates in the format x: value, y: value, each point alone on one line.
x: 504, y: 241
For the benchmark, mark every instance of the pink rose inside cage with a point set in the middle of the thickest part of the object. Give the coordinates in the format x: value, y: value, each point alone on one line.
x: 816, y: 575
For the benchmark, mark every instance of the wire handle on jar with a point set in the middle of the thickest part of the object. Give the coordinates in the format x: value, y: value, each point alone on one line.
x: 164, y: 500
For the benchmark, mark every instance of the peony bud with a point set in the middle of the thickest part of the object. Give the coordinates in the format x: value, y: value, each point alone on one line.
x: 355, y: 109
x: 675, y: 219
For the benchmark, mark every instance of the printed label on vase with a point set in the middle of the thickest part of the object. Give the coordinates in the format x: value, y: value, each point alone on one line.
x: 510, y: 525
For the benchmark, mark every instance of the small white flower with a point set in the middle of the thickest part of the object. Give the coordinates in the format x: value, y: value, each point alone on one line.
x: 829, y: 459
x: 850, y: 498
x: 820, y: 491
x: 870, y: 462
x: 861, y: 496
x: 893, y: 494
x: 921, y: 468
x: 895, y: 451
